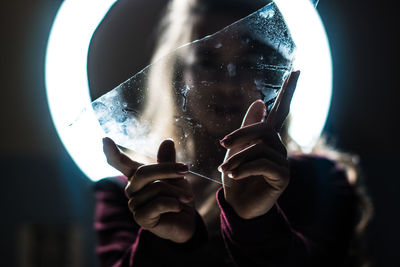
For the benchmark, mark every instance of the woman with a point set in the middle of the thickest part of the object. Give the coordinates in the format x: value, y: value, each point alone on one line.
x: 273, y: 210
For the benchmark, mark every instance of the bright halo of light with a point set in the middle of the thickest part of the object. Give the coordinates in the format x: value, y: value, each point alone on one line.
x: 311, y: 101
x: 67, y: 83
x: 68, y: 89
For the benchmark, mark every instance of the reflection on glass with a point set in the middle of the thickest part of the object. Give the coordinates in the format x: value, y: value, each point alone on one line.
x: 200, y: 92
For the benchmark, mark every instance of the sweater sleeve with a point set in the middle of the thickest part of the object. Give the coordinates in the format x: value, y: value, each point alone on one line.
x: 122, y: 242
x: 263, y: 241
x: 319, y: 237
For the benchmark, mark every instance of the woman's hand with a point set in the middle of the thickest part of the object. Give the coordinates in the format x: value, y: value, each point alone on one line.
x: 159, y: 197
x: 256, y: 170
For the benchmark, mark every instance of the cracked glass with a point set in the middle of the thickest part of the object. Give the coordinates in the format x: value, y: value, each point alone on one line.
x: 200, y: 92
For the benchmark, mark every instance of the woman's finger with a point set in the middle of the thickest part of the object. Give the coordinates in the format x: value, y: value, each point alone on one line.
x: 277, y: 176
x: 159, y: 188
x: 148, y: 215
x: 281, y: 107
x: 255, y: 133
x: 119, y: 160
x: 251, y: 153
x: 166, y: 151
x: 255, y: 113
x: 149, y: 173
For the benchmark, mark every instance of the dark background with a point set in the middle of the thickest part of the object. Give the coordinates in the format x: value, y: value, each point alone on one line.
x: 46, y: 202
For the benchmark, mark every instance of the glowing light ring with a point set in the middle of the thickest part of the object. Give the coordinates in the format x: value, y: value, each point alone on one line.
x: 311, y: 102
x: 68, y: 90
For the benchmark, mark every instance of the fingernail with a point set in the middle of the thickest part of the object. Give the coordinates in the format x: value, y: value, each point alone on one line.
x: 108, y: 145
x: 223, y: 167
x: 230, y: 175
x: 226, y: 141
x: 182, y: 168
x: 220, y: 168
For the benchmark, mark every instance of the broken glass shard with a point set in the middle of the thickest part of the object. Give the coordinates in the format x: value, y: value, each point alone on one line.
x: 200, y: 92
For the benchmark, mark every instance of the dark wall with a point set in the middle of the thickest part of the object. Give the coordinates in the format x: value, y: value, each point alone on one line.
x: 44, y: 195
x: 363, y: 117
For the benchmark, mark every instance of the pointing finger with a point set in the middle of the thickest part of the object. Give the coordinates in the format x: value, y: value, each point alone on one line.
x: 281, y: 108
x: 119, y: 160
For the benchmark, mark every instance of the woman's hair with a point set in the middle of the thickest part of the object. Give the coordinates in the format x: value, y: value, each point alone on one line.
x: 176, y: 29
x: 172, y: 34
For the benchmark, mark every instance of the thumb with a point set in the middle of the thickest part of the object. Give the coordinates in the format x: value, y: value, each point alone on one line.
x: 255, y: 113
x: 166, y: 151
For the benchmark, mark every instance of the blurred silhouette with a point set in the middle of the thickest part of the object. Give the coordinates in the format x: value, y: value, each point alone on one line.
x: 277, y: 206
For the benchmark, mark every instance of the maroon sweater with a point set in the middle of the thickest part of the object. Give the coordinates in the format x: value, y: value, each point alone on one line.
x: 311, y: 226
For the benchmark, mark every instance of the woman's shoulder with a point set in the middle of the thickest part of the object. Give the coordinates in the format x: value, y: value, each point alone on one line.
x: 317, y: 167
x: 318, y: 179
x: 318, y: 192
x: 312, y: 161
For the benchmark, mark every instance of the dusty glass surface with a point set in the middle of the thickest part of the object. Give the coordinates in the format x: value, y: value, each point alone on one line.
x: 200, y: 92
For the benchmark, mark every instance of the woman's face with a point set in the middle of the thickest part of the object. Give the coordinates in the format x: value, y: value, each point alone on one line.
x: 223, y: 77
x: 223, y: 88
